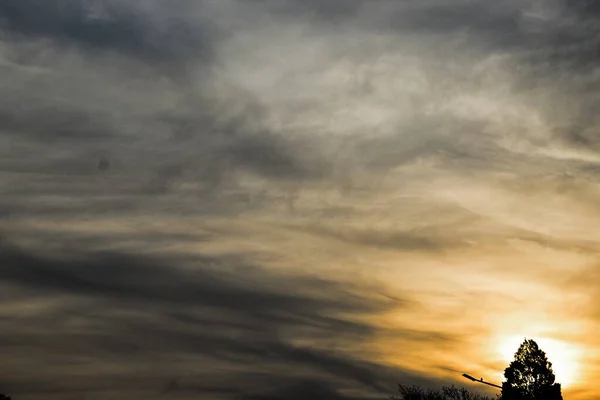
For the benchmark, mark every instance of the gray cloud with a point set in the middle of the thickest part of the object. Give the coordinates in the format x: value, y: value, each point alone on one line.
x: 111, y: 25
x: 415, y: 139
x: 219, y: 129
x: 398, y: 240
x: 109, y: 276
x: 131, y: 308
x: 53, y: 124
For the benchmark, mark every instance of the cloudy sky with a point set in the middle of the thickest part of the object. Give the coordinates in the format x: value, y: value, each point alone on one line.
x: 292, y: 199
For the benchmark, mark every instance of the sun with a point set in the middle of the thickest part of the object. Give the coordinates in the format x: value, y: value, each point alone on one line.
x: 564, y: 357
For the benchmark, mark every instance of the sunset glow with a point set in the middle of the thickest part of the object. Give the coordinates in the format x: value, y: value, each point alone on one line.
x: 564, y: 357
x: 296, y: 199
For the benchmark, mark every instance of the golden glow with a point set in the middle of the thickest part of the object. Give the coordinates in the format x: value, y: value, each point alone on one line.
x: 438, y: 181
x: 563, y: 356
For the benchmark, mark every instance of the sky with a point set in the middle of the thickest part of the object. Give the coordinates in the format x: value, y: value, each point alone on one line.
x: 292, y: 199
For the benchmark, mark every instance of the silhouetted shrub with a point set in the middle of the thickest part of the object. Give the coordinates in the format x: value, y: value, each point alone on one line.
x: 446, y: 393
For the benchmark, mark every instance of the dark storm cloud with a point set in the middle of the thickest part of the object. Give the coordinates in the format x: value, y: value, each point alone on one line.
x: 109, y: 25
x: 147, y: 309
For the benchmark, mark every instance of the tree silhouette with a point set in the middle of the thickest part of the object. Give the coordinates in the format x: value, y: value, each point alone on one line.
x: 530, y: 376
x: 4, y: 397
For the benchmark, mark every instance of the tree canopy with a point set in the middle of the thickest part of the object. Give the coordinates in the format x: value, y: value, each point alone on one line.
x: 530, y: 375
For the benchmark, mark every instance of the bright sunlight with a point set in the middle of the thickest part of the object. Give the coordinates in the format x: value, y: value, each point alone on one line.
x: 564, y: 357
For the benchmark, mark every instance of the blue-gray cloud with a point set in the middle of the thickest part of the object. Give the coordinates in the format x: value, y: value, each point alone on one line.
x: 111, y: 25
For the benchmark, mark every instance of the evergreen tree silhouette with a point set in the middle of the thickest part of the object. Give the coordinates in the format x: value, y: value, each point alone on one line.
x: 530, y: 375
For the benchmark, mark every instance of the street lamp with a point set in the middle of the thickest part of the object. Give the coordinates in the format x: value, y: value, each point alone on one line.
x: 469, y: 377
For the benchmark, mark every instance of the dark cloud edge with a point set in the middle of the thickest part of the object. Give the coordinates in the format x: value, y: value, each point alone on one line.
x: 153, y: 308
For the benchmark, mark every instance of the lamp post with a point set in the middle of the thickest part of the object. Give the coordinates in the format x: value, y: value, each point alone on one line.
x: 469, y: 377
